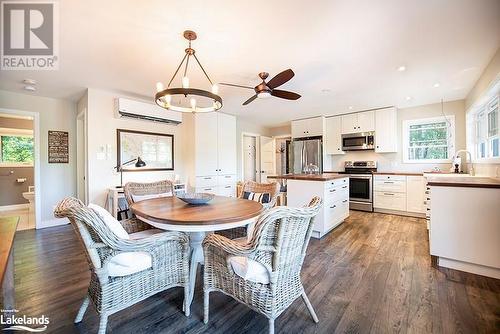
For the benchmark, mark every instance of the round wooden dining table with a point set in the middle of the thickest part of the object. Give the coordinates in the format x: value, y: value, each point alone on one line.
x: 221, y: 213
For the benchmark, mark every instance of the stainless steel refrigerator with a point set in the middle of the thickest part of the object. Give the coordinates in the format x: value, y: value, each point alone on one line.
x: 307, y: 151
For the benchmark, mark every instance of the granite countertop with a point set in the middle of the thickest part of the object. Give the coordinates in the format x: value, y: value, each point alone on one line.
x: 309, y: 177
x: 463, y: 181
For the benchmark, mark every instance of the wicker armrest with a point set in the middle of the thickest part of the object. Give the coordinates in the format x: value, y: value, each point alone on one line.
x: 148, y: 243
x: 133, y: 225
x: 229, y: 246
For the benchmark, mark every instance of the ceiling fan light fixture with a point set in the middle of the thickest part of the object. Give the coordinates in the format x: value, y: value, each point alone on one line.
x: 188, y: 99
x: 264, y: 95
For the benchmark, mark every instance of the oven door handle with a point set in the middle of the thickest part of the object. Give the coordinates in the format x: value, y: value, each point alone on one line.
x: 360, y: 177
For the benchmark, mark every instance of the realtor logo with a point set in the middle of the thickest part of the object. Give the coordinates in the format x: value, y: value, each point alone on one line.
x: 30, y: 35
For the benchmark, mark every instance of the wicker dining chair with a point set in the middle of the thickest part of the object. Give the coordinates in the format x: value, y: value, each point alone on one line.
x: 132, y: 189
x: 279, y: 242
x: 169, y: 268
x: 272, y: 189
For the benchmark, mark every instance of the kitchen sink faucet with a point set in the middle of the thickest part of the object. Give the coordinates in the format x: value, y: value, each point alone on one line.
x: 471, y: 167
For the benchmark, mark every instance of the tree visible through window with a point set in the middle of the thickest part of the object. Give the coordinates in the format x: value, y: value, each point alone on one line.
x: 16, y: 149
x: 428, y: 139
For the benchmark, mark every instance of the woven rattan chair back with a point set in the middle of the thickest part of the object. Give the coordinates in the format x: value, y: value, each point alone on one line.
x: 151, y: 188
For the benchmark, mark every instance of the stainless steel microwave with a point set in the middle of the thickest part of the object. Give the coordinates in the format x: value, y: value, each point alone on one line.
x: 358, y: 141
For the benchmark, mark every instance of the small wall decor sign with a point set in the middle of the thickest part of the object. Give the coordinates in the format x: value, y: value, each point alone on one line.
x: 58, y: 147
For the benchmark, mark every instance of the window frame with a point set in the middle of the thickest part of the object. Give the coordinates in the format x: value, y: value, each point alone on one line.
x: 473, y: 131
x: 8, y: 132
x: 449, y: 119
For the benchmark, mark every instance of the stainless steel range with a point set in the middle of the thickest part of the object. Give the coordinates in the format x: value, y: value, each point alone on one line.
x: 360, y: 184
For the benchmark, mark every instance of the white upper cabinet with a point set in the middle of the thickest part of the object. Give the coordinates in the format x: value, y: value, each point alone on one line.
x: 215, y: 144
x: 415, y: 194
x: 386, y: 130
x: 333, y: 140
x: 350, y: 123
x: 366, y: 121
x: 206, y: 149
x: 309, y: 127
x: 358, y: 122
x: 226, y: 128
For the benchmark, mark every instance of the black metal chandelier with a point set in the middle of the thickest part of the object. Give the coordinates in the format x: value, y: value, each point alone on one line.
x: 188, y: 99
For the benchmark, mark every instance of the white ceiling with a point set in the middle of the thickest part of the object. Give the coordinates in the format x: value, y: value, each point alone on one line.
x: 343, y: 53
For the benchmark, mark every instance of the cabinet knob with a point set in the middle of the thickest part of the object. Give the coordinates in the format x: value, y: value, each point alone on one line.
x: 377, y: 146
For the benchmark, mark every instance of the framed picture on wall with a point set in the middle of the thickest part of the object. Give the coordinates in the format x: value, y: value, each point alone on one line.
x: 155, y: 149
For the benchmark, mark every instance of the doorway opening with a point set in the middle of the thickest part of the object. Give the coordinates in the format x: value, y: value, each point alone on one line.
x: 81, y: 156
x: 258, y: 157
x: 250, y: 158
x: 19, y: 155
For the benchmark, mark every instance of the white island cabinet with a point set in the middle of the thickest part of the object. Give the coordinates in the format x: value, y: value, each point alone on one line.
x: 464, y: 231
x: 333, y: 190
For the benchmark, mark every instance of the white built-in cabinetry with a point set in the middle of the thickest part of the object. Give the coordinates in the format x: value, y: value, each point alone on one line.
x: 335, y: 195
x: 399, y: 194
x: 358, y: 122
x: 309, y: 127
x: 333, y: 138
x: 415, y: 194
x: 212, y: 153
x: 386, y: 130
x: 382, y: 121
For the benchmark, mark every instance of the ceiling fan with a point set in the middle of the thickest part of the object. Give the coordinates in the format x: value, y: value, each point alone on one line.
x: 266, y: 89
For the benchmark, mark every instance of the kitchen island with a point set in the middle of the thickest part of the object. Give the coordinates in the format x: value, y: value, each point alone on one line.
x: 333, y: 189
x: 464, y: 226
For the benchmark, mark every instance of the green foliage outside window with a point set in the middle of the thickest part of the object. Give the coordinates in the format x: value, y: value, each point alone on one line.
x: 428, y: 141
x: 16, y: 149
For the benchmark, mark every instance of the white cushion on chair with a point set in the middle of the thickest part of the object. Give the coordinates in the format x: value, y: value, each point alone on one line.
x: 138, y: 198
x: 145, y: 233
x: 128, y: 263
x: 249, y: 269
x: 113, y: 224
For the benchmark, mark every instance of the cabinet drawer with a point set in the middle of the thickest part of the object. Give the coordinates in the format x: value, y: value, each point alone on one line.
x: 336, y: 183
x: 226, y: 179
x: 337, y: 193
x: 206, y: 181
x: 396, y: 186
x: 335, y: 212
x: 389, y: 200
x: 389, y: 178
x: 210, y: 190
x: 227, y: 190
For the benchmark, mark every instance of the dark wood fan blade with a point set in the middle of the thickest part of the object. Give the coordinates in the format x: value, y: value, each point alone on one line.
x: 284, y: 94
x: 250, y: 100
x: 280, y: 79
x: 233, y: 85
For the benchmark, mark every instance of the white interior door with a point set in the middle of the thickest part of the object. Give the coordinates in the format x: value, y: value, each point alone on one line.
x: 266, y: 158
x: 249, y: 158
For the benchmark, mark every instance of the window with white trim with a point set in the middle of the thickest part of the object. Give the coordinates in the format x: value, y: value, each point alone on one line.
x: 485, y: 126
x: 429, y: 140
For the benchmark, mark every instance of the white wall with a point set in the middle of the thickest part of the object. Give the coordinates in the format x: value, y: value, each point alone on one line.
x: 56, y: 180
x: 102, y: 126
x: 477, y: 96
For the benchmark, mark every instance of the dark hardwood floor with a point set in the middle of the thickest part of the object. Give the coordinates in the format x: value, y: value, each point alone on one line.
x: 372, y: 274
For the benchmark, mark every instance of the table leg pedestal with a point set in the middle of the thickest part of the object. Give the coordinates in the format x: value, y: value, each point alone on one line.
x: 196, y: 240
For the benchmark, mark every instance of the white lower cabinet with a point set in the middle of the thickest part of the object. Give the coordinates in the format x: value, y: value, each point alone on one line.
x: 221, y: 185
x: 335, y: 195
x: 399, y: 194
x: 389, y: 201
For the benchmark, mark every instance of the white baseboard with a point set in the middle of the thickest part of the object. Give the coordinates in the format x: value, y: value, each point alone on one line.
x: 15, y: 207
x: 469, y: 267
x: 52, y: 222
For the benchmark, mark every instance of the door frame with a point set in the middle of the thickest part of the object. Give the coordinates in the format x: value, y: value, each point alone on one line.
x: 82, y: 138
x: 36, y: 166
x: 257, y: 153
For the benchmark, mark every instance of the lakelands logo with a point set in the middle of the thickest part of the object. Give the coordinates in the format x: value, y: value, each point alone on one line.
x: 24, y: 323
x: 30, y: 35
